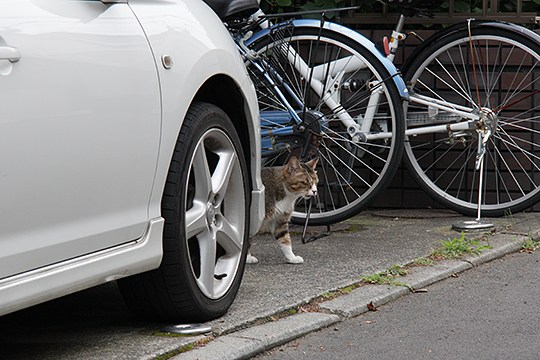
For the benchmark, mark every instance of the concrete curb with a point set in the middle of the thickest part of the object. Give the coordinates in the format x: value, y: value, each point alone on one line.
x: 249, y: 342
x: 356, y: 302
x: 420, y: 277
x: 252, y: 341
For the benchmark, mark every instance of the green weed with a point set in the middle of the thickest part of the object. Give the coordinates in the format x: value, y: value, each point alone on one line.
x: 530, y: 244
x: 387, y: 277
x: 424, y: 261
x: 459, y: 247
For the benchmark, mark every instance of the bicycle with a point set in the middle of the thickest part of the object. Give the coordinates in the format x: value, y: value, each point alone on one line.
x: 473, y: 132
x: 326, y: 90
x: 312, y: 105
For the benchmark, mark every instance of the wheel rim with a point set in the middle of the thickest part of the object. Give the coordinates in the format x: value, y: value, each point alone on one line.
x: 215, y: 213
x: 509, y: 89
x: 350, y: 173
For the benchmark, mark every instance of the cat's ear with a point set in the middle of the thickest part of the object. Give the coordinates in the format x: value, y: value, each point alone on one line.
x: 313, y: 163
x: 293, y: 165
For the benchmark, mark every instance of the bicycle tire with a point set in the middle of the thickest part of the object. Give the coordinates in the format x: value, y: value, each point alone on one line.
x: 351, y: 173
x: 502, y: 78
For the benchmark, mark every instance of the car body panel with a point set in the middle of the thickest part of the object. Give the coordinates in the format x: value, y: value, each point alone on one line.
x: 63, y: 278
x: 81, y: 171
x: 86, y: 155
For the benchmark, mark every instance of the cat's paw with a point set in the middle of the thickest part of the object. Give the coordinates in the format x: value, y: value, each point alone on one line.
x: 251, y: 259
x: 295, y: 260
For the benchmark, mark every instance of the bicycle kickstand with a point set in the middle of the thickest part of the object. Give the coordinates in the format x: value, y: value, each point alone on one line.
x: 313, y: 237
x: 477, y: 224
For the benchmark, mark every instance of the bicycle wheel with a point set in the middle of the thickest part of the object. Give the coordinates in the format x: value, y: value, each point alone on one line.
x: 496, y: 72
x: 327, y: 77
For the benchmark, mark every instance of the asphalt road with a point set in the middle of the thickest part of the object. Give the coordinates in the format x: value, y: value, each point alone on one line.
x: 489, y: 312
x: 95, y: 324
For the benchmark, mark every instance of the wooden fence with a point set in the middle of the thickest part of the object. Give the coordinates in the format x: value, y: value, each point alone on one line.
x: 490, y: 10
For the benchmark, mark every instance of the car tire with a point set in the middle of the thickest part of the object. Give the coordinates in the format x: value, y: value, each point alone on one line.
x: 206, y: 209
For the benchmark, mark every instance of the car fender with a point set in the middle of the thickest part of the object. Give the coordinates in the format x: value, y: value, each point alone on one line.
x: 193, y: 39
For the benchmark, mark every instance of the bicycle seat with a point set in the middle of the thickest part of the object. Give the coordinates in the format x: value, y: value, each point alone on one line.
x: 228, y: 8
x: 416, y: 7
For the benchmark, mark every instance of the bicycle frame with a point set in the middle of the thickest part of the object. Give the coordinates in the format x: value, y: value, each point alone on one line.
x: 462, y: 112
x: 281, y: 124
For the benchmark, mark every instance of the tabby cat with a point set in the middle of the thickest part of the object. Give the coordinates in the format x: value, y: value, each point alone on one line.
x: 284, y: 185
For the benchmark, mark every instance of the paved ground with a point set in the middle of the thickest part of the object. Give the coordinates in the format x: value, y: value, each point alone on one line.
x: 94, y: 324
x: 374, y: 242
x: 487, y: 313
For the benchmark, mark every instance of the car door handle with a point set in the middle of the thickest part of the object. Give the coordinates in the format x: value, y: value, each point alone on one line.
x: 9, y: 53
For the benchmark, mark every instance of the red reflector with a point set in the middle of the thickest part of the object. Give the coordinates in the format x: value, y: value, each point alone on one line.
x: 386, y: 46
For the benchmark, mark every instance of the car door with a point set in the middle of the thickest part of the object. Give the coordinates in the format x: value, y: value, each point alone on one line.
x: 79, y: 130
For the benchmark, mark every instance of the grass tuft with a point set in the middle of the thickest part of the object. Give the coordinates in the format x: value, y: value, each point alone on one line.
x: 459, y: 247
x: 530, y: 244
x: 387, y: 277
x: 423, y: 261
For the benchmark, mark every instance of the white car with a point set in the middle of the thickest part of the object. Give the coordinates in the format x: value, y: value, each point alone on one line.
x: 130, y: 151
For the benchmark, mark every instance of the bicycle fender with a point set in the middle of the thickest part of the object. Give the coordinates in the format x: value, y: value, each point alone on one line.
x: 354, y: 36
x: 474, y: 25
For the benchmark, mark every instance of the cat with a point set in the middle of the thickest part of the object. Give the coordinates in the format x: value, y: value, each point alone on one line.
x: 284, y: 185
